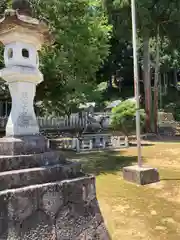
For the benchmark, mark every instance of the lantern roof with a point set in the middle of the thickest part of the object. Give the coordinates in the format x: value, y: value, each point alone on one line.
x: 16, y: 19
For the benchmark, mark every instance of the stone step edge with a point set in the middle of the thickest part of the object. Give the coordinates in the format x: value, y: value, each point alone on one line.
x: 38, y: 186
x: 31, y: 155
x: 36, y: 169
x: 10, y: 163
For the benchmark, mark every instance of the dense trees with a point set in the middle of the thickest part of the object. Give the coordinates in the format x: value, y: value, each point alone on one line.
x: 82, y: 34
x: 88, y: 51
x: 81, y: 44
x: 158, y: 34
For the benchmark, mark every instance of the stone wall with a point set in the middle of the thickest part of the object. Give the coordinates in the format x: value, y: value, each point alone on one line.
x: 54, y: 211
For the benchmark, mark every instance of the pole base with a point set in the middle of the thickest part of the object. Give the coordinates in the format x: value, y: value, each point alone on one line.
x: 141, y: 175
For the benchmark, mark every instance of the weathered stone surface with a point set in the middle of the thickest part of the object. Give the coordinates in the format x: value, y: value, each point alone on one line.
x: 73, y: 220
x: 79, y: 191
x: 101, y: 233
x: 23, y: 145
x: 94, y: 233
x: 25, y: 177
x: 17, y: 162
x: 38, y: 227
x: 22, y: 204
x: 3, y: 215
x: 79, y: 221
x: 140, y: 175
x: 52, y: 200
x: 78, y: 215
x: 50, y: 212
x: 89, y: 191
x: 11, y: 232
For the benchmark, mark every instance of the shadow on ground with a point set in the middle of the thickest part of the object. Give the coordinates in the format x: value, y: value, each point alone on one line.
x: 170, y: 179
x: 163, y: 139
x: 132, y: 144
x: 106, y: 162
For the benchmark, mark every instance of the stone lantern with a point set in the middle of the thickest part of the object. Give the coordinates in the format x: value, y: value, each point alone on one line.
x: 22, y: 36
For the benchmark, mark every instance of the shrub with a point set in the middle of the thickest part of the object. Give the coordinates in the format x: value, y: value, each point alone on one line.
x: 173, y: 108
x: 124, y: 117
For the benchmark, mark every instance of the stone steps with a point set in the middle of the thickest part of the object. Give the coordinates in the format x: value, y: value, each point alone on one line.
x: 17, y: 162
x: 24, y: 177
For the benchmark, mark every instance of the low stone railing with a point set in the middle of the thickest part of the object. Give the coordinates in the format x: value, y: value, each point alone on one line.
x: 52, y: 123
x: 80, y: 145
x: 61, y: 123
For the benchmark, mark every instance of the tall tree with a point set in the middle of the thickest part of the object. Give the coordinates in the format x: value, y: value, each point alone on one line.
x: 150, y: 14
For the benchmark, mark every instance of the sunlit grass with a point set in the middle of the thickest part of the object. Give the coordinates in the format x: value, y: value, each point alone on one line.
x: 133, y: 212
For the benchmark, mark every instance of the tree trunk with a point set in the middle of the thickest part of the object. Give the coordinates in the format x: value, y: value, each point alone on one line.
x: 175, y: 77
x: 110, y: 80
x: 156, y: 82
x: 147, y: 82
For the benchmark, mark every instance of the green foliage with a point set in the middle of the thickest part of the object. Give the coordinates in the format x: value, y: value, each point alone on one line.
x: 151, y: 14
x: 173, y: 108
x: 82, y: 35
x: 3, y: 5
x: 124, y: 117
x: 154, y: 18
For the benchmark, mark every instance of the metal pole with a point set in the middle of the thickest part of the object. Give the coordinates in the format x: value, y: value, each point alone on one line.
x: 160, y: 91
x: 136, y: 81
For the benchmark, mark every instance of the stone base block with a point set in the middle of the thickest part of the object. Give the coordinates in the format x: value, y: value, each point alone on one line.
x: 66, y: 210
x: 17, y: 162
x: 140, y: 176
x: 23, y: 145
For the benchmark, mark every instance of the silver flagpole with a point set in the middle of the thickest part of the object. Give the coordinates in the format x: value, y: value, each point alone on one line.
x: 136, y: 82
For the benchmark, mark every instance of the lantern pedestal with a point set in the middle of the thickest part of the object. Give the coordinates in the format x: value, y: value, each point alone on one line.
x: 22, y: 83
x: 23, y: 145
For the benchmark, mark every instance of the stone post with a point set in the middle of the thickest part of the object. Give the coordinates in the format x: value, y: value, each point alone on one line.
x: 77, y: 145
x: 104, y: 143
x: 126, y: 142
x: 90, y: 144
